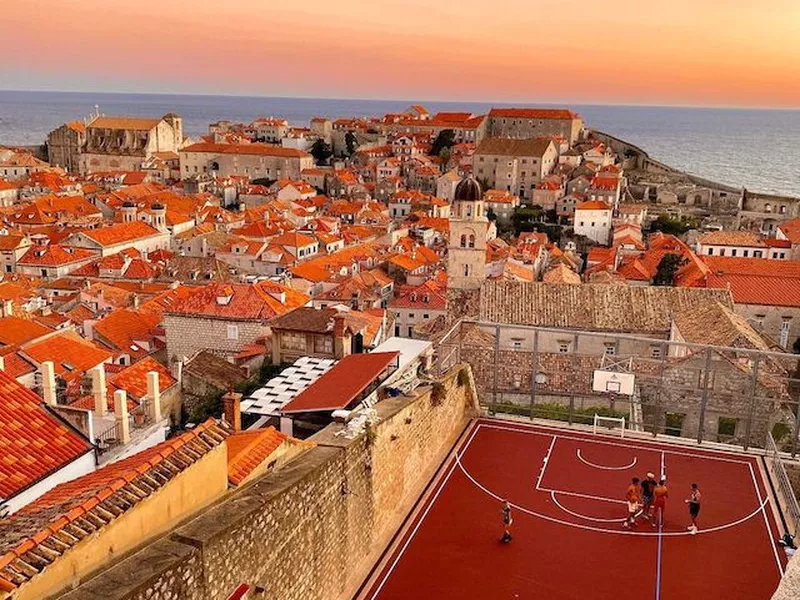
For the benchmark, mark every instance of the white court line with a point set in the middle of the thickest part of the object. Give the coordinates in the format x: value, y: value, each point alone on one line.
x: 618, y: 445
x: 660, y: 537
x: 766, y: 522
x: 580, y: 516
x: 442, y: 485
x: 544, y: 462
x: 585, y: 496
x: 591, y: 464
x: 533, y: 513
x: 457, y: 463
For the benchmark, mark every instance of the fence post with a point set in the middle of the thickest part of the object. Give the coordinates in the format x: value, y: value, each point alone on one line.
x: 660, y: 415
x: 752, y: 407
x: 534, y: 369
x: 573, y: 362
x: 701, y: 427
x: 796, y: 429
x: 496, y: 365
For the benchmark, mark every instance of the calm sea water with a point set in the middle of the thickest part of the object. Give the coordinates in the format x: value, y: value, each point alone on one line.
x: 757, y: 149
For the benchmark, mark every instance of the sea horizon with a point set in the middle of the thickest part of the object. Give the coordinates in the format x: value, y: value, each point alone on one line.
x: 702, y: 140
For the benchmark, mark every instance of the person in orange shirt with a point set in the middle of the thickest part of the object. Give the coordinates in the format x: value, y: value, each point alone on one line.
x: 660, y: 495
x: 634, y: 500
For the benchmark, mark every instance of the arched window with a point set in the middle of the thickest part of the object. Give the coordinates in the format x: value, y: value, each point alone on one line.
x: 463, y: 240
x: 472, y: 241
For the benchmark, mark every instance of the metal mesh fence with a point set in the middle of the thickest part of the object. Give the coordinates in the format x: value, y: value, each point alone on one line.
x: 783, y: 486
x: 708, y: 393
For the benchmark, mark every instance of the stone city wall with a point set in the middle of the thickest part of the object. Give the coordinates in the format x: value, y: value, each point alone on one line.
x: 312, y: 530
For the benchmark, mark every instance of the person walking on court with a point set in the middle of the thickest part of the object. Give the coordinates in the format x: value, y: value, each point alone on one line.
x: 507, y: 521
x: 633, y: 499
x: 694, y: 507
x: 660, y: 495
x: 648, y: 487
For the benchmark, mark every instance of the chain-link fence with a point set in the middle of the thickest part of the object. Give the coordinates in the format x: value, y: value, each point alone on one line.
x: 708, y: 393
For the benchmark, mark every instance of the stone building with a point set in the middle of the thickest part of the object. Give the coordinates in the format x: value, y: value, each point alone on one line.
x: 256, y: 161
x: 466, y: 259
x: 333, y: 332
x: 514, y: 165
x: 124, y: 143
x: 227, y: 319
x: 65, y: 144
x: 522, y: 123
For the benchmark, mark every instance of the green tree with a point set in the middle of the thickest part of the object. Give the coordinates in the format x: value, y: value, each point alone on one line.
x: 321, y: 151
x: 445, y: 139
x: 351, y: 143
x: 667, y: 269
x: 672, y: 226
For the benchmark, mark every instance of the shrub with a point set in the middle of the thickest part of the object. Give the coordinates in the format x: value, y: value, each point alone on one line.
x: 437, y: 394
x: 463, y: 377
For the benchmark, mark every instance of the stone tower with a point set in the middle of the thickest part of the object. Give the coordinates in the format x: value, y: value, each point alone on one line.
x: 466, y: 255
x: 128, y: 211
x: 159, y: 216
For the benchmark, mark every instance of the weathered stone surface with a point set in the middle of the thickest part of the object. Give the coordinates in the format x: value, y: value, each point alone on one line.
x: 313, y: 529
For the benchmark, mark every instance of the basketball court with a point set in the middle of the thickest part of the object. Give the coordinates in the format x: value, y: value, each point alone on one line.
x: 567, y: 488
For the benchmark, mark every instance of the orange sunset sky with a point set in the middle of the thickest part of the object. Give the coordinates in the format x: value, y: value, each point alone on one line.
x: 687, y: 52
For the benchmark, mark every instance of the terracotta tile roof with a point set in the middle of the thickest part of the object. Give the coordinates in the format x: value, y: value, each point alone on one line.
x: 591, y: 307
x: 718, y: 325
x: 514, y: 147
x: 14, y: 331
x: 561, y: 273
x: 246, y: 302
x: 71, y: 354
x: 133, y: 379
x: 791, y: 229
x: 293, y: 240
x: 16, y: 366
x: 249, y: 449
x: 121, y: 232
x: 342, y: 384
x: 430, y: 295
x: 534, y: 113
x: 593, y: 205
x: 248, y: 149
x: 731, y: 238
x: 311, y: 271
x: 11, y: 242
x: 33, y: 443
x: 135, y: 123
x: 38, y: 534
x: 215, y: 370
x: 124, y: 330
x: 758, y: 281
x: 54, y: 255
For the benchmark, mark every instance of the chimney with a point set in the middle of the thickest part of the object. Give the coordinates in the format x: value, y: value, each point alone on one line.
x: 121, y: 416
x: 7, y: 308
x: 154, y: 394
x: 136, y: 301
x: 49, y: 383
x: 2, y: 363
x: 338, y: 325
x: 99, y: 391
x: 232, y: 410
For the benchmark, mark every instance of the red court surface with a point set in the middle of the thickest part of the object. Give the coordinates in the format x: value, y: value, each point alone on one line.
x: 567, y: 492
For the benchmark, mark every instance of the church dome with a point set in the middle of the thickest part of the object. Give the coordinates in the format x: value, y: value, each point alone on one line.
x: 158, y: 206
x: 468, y: 190
x: 128, y: 204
